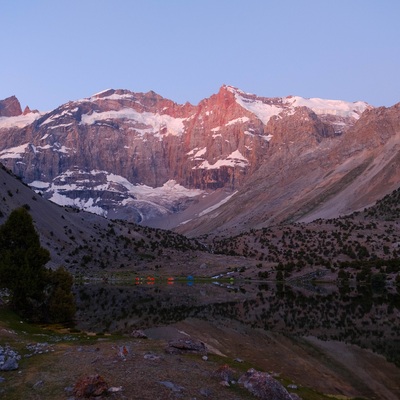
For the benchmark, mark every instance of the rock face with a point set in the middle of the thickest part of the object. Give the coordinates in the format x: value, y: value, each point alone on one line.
x: 10, y: 107
x: 141, y: 157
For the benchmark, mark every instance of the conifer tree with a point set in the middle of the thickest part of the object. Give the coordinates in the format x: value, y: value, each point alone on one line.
x: 23, y: 260
x: 37, y: 293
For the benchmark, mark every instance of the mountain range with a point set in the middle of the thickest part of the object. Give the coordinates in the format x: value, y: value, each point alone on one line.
x: 234, y: 162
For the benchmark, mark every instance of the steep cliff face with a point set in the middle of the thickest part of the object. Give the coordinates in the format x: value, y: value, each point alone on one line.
x: 10, y: 107
x: 139, y: 156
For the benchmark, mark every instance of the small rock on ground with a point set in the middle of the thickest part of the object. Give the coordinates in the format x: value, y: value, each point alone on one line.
x: 172, y: 386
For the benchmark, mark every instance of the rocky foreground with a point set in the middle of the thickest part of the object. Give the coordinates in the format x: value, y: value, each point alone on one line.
x: 77, y: 367
x: 37, y: 363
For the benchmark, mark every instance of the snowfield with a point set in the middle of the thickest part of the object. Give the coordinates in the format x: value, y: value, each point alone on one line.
x: 145, y: 122
x: 20, y: 121
x: 158, y: 200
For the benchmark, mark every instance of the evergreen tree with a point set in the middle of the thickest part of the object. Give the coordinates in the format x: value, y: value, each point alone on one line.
x: 23, y: 260
x: 34, y: 289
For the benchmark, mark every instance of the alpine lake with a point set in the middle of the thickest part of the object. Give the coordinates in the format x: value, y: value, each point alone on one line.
x: 344, y: 341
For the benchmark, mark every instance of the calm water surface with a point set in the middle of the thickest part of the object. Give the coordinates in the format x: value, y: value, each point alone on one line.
x: 357, y: 315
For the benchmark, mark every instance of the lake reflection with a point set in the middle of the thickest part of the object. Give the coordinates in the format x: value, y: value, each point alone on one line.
x: 357, y: 315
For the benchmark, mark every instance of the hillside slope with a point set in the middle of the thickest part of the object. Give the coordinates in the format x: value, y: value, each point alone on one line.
x: 89, y: 245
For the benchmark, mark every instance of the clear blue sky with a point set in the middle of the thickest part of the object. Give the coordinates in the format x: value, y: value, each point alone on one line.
x: 53, y: 51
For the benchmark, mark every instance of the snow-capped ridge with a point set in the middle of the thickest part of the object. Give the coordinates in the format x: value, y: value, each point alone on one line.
x: 102, y: 93
x: 329, y: 107
x: 265, y: 108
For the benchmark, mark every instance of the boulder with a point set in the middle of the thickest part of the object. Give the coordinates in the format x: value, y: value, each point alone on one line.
x: 170, y: 385
x: 138, y: 334
x: 224, y: 373
x: 10, y: 364
x: 180, y: 346
x: 263, y: 386
x: 8, y: 359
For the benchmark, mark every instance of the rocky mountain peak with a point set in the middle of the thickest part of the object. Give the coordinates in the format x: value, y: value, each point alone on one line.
x: 27, y: 110
x: 118, y: 99
x: 10, y: 107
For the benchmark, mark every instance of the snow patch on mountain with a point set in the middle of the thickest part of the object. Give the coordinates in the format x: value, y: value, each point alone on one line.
x: 115, y: 96
x: 267, y: 137
x: 60, y: 126
x: 82, y: 204
x: 240, y: 120
x: 14, y: 152
x: 235, y: 159
x: 169, y: 192
x: 18, y: 151
x: 54, y: 117
x: 215, y: 206
x: 265, y: 111
x: 329, y: 107
x: 39, y: 185
x: 146, y: 122
x: 262, y: 111
x: 197, y: 154
x: 98, y: 94
x: 20, y: 121
x: 65, y: 188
